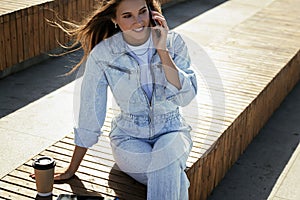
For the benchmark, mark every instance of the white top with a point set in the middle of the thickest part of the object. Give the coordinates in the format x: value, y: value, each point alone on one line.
x: 143, y: 54
x: 142, y: 50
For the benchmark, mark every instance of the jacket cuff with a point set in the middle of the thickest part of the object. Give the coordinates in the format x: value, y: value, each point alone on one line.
x: 85, y: 138
x: 183, y: 82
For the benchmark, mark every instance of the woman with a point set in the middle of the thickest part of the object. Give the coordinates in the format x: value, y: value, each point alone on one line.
x: 148, y: 71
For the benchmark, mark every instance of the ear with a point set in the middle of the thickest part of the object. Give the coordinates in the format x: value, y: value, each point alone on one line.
x: 113, y: 21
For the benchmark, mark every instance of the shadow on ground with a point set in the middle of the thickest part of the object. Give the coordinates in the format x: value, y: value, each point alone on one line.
x: 27, y: 86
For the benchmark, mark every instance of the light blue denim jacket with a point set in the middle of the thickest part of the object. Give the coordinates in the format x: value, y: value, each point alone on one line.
x: 110, y: 64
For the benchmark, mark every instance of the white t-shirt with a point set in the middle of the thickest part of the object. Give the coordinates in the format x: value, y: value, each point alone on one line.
x: 143, y: 54
x: 142, y: 50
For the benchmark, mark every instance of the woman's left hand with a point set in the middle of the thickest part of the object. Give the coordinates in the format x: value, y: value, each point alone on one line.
x: 160, y: 31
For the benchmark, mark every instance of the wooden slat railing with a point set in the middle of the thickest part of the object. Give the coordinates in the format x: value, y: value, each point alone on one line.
x: 25, y: 34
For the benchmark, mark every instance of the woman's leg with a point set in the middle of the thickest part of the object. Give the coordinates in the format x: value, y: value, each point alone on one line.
x: 132, y: 156
x: 161, y: 168
x: 166, y: 177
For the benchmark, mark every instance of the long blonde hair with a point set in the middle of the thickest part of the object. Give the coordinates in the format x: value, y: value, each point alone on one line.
x: 96, y: 27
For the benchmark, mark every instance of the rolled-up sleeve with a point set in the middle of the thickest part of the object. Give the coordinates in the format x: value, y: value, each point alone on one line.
x: 186, y: 75
x: 90, y: 110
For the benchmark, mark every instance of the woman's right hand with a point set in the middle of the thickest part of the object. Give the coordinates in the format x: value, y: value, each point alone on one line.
x: 77, y: 157
x: 59, y: 176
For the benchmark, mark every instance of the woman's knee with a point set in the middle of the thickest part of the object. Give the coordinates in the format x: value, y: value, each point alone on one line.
x: 173, y: 169
x: 132, y: 156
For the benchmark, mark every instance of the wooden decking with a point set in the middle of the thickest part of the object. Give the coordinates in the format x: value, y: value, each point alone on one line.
x: 92, y: 177
x: 257, y: 63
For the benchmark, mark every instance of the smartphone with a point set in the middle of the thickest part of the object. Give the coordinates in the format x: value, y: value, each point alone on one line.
x: 153, y: 22
x: 78, y: 197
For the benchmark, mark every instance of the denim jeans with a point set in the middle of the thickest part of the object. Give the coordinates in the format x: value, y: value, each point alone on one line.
x: 157, y: 162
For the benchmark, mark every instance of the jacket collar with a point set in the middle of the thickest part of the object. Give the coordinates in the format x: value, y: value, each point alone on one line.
x: 118, y: 44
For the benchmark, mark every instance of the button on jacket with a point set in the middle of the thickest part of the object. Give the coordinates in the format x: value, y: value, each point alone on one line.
x: 110, y: 64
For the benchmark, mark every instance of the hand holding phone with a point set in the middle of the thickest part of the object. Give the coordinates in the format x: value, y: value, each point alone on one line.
x: 153, y: 22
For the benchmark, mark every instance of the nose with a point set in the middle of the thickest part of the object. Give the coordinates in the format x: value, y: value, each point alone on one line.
x: 138, y: 20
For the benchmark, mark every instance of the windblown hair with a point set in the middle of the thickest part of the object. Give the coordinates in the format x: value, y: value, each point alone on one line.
x: 99, y: 26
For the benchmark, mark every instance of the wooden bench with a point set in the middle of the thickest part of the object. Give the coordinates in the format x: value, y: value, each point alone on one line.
x: 257, y: 60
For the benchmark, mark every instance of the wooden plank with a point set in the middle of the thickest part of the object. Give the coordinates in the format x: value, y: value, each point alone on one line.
x: 25, y: 32
x: 47, y: 28
x: 224, y: 153
x: 2, y: 45
x: 84, y: 8
x: 7, y: 44
x: 65, y: 15
x: 36, y: 30
x: 93, y: 4
x: 69, y: 11
x: 217, y: 162
x: 13, y: 38
x: 79, y: 10
x: 54, y: 35
x: 20, y: 43
x: 205, y: 173
x: 75, y: 11
x: 197, y: 183
x: 60, y: 11
x: 213, y: 169
x: 41, y: 30
x: 31, y: 39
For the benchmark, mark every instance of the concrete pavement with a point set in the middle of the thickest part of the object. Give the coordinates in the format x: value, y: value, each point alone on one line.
x: 268, y: 168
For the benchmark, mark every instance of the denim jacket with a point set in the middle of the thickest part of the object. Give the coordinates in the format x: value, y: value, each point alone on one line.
x: 110, y: 64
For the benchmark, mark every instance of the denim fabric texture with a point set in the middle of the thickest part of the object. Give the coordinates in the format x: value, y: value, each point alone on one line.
x: 149, y: 138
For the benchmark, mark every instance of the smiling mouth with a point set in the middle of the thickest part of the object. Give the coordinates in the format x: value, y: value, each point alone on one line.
x: 138, y: 29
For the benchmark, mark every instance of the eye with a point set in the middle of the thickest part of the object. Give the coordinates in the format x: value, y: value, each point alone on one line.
x: 127, y: 16
x: 143, y: 11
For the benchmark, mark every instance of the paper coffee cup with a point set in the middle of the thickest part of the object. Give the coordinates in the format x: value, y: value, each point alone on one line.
x: 44, y: 175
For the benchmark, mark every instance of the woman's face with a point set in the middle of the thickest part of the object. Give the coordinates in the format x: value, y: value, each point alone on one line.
x: 132, y: 16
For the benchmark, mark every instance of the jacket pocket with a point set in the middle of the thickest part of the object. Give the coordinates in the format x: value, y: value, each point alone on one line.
x: 120, y: 69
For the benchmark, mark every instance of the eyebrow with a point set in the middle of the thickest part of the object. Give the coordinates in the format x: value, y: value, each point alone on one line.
x: 126, y: 13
